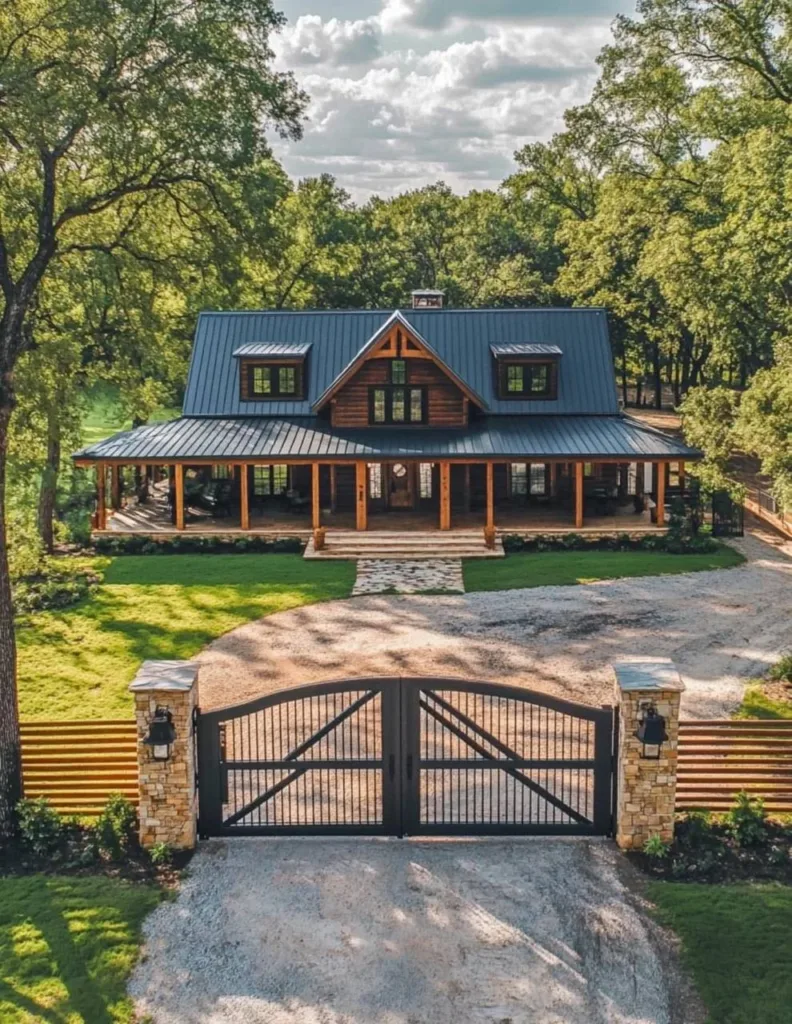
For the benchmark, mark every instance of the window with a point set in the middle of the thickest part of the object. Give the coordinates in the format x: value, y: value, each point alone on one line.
x: 222, y: 472
x: 588, y: 469
x: 398, y: 368
x: 519, y: 478
x: 425, y: 479
x: 527, y: 379
x: 632, y: 478
x: 391, y: 404
x: 270, y: 480
x: 538, y: 478
x: 375, y: 480
x: 272, y: 380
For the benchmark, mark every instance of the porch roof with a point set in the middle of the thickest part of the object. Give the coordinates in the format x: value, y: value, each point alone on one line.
x: 519, y: 438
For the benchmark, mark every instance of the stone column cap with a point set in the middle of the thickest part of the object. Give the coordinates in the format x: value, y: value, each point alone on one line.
x: 647, y: 674
x: 169, y: 676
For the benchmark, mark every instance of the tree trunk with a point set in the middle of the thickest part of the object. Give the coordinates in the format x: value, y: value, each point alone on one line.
x: 658, y: 376
x: 10, y: 763
x: 49, y: 480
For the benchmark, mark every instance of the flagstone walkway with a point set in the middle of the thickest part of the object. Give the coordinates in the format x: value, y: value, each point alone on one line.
x: 392, y: 576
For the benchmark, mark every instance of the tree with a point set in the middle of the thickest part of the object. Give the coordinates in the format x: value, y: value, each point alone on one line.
x: 103, y: 108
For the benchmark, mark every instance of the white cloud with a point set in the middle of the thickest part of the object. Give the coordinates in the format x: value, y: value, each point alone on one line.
x: 310, y: 40
x: 437, y: 14
x: 411, y: 114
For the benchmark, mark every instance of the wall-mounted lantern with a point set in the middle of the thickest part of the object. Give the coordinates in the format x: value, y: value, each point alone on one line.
x: 161, y: 734
x: 651, y: 732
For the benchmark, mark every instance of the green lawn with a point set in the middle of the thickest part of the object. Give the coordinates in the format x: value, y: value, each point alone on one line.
x: 67, y: 946
x: 77, y: 663
x: 757, y: 704
x: 547, y: 568
x: 104, y: 416
x: 737, y: 942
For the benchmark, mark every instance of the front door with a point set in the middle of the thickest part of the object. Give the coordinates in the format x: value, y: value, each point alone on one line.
x: 401, y: 495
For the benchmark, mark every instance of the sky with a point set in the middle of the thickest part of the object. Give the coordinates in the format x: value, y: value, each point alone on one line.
x: 408, y: 92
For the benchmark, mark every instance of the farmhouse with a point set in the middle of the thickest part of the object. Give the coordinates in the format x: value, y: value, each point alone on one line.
x: 415, y: 420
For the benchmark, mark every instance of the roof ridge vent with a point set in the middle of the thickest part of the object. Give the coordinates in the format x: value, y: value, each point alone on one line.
x: 427, y: 298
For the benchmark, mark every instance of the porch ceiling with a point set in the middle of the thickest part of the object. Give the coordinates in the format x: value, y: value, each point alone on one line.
x: 516, y: 438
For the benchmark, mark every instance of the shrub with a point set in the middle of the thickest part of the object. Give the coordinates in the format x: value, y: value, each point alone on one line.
x: 747, y: 821
x: 114, y: 829
x: 656, y: 848
x: 40, y: 826
x: 57, y: 583
x: 782, y: 670
x: 132, y: 545
x: 161, y: 854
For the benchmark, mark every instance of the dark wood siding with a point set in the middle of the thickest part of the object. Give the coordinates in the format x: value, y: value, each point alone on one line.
x: 447, y: 406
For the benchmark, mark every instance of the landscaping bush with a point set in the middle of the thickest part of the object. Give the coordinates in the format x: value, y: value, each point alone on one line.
x: 747, y: 821
x: 114, y: 829
x: 41, y: 828
x: 161, y: 854
x: 132, y: 545
x: 680, y: 542
x: 57, y: 583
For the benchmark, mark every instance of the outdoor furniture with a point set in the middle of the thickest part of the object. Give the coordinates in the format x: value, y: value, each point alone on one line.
x: 297, y: 502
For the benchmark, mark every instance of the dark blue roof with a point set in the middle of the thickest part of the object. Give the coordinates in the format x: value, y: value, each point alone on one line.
x: 461, y: 338
x: 518, y: 438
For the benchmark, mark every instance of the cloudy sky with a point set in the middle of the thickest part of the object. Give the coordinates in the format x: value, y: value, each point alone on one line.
x: 407, y: 92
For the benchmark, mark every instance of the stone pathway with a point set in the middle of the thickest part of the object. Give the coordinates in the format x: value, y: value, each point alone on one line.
x: 384, y: 575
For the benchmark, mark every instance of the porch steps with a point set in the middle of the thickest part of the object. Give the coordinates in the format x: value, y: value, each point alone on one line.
x: 413, y: 546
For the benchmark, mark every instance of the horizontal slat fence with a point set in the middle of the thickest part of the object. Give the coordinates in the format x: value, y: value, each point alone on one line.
x: 718, y: 759
x: 77, y: 765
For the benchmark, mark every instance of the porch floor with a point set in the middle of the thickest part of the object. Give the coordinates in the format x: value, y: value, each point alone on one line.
x: 154, y: 518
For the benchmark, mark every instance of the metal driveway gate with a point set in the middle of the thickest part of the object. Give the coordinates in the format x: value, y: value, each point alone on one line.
x: 406, y: 757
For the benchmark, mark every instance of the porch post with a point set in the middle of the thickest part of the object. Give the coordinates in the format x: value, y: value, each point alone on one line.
x: 101, y: 503
x: 179, y: 486
x: 244, y: 497
x: 445, y: 495
x: 661, y: 468
x: 681, y: 475
x: 361, y: 492
x: 578, y: 495
x: 490, y: 497
x: 115, y: 487
x: 316, y: 512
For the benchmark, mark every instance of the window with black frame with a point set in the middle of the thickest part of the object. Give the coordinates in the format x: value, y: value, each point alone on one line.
x: 393, y: 404
x: 274, y: 380
x: 532, y: 380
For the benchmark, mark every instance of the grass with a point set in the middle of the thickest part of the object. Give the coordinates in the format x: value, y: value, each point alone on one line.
x: 737, y: 942
x: 77, y: 663
x: 561, y: 568
x: 758, y: 704
x: 67, y: 946
x: 104, y: 416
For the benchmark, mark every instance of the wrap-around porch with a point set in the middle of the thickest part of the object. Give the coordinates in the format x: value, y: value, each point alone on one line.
x: 307, y: 498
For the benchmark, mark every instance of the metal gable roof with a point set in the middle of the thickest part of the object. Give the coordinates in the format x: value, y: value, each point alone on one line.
x: 461, y: 338
x: 273, y: 350
x: 518, y: 438
x: 525, y: 350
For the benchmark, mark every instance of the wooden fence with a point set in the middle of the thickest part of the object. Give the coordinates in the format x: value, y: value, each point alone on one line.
x: 77, y: 765
x: 718, y: 759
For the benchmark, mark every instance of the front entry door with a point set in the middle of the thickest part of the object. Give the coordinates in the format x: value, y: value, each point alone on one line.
x: 401, y: 485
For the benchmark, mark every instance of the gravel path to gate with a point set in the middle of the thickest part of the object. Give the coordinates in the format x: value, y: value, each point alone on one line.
x: 720, y: 627
x: 306, y: 931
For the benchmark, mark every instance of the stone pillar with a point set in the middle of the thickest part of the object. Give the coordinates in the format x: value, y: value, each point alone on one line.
x: 168, y: 796
x: 646, y: 787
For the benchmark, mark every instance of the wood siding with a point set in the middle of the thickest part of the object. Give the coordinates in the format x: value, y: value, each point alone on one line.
x: 446, y: 405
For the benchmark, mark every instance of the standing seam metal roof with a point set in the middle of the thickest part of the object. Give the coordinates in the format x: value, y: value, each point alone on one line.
x: 461, y: 338
x: 521, y: 438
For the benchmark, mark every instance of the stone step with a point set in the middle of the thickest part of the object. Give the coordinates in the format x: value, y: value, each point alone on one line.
x: 405, y: 550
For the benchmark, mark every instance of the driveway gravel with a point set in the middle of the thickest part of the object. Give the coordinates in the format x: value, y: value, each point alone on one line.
x: 720, y: 627
x: 306, y: 931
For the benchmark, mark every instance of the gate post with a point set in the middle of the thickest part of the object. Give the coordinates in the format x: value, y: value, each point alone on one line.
x: 167, y: 790
x: 646, y: 792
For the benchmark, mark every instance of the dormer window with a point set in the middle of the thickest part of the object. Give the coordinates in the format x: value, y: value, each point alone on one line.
x: 526, y: 372
x: 270, y: 372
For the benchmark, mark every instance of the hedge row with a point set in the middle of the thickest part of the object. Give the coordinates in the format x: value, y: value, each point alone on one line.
x: 679, y: 545
x: 132, y: 545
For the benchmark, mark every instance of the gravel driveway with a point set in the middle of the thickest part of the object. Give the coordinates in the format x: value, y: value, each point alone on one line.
x: 336, y: 931
x: 720, y: 627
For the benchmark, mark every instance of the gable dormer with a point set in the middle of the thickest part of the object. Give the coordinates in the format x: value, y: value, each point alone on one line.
x: 526, y: 372
x: 272, y: 372
x: 398, y: 380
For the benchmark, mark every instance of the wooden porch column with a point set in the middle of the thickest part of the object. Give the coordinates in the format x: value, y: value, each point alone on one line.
x: 661, y: 468
x: 578, y: 495
x: 101, y: 499
x: 361, y: 495
x: 179, y: 485
x: 316, y: 511
x: 681, y: 475
x: 244, y: 497
x: 115, y: 487
x: 445, y: 495
x: 490, y: 497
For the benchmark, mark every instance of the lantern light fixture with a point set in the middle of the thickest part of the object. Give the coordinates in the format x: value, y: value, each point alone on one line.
x: 161, y: 734
x: 651, y: 732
